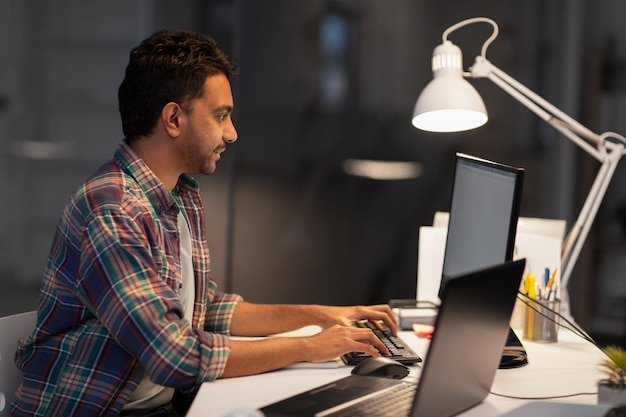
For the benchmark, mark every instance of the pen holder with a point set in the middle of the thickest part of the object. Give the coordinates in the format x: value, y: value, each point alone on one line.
x: 540, y: 322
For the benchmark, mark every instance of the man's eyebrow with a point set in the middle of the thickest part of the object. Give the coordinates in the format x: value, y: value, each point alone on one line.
x: 227, y: 108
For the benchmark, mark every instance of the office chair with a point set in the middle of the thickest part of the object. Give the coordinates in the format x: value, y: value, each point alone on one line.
x: 12, y: 328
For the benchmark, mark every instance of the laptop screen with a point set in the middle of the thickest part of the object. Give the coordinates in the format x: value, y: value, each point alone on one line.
x: 484, y: 209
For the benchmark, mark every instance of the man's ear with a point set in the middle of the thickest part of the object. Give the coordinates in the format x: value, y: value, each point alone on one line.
x: 171, y: 116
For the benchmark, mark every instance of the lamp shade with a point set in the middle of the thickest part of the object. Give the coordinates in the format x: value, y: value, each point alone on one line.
x: 449, y: 103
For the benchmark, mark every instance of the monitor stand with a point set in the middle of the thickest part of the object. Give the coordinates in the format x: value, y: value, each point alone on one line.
x: 514, y: 354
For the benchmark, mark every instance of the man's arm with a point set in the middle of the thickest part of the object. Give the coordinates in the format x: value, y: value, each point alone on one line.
x: 337, y: 338
x: 253, y: 357
x: 251, y: 319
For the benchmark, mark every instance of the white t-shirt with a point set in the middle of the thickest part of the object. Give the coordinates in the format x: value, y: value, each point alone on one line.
x: 149, y: 395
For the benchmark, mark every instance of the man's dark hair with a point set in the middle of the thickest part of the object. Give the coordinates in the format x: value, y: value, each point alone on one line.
x: 169, y: 66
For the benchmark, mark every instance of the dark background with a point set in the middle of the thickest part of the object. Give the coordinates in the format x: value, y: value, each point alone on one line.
x: 321, y: 81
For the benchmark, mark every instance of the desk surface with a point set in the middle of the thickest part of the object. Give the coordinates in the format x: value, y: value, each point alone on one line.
x: 567, y: 367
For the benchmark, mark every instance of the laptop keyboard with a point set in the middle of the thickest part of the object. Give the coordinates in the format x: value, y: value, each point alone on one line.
x: 394, y: 402
x: 398, y: 349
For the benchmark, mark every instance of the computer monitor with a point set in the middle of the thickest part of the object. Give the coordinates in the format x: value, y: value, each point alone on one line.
x: 484, y: 209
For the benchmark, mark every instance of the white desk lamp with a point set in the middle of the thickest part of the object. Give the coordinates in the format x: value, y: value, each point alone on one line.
x: 449, y: 103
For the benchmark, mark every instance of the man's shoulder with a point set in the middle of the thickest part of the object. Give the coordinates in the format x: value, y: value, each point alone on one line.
x: 108, y: 183
x: 109, y: 188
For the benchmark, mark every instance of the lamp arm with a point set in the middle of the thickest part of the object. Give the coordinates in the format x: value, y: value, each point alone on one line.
x: 548, y: 112
x: 580, y: 230
x: 606, y: 152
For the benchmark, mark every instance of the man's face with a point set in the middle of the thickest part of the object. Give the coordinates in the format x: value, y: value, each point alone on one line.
x: 208, y: 127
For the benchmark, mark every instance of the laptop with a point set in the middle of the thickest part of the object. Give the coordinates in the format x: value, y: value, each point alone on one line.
x: 464, y: 353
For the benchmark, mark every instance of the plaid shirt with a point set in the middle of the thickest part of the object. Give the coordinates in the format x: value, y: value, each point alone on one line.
x: 110, y: 302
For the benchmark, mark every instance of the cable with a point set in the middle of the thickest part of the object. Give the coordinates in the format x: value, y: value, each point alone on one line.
x: 571, y: 327
x: 574, y: 328
x: 466, y: 22
x: 551, y: 397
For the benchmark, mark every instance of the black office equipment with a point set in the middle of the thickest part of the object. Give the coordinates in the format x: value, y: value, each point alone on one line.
x: 399, y: 350
x: 462, y: 359
x: 484, y: 209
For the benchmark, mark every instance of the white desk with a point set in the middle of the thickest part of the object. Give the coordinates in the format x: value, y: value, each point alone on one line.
x: 566, y: 367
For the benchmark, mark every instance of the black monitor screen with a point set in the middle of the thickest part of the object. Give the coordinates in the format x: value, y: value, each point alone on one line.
x: 484, y: 209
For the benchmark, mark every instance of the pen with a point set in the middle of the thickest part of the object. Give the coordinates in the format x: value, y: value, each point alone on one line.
x: 531, y: 286
x: 550, y: 284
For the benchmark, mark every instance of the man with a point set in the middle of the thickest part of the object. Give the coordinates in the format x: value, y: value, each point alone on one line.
x: 129, y: 316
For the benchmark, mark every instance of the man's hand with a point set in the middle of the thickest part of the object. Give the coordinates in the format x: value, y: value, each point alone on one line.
x: 348, y: 315
x: 338, y: 340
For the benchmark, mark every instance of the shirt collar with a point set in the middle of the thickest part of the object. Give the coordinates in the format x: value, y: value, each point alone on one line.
x: 159, y: 195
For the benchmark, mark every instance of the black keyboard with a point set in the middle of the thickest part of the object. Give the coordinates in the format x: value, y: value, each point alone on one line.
x: 398, y: 349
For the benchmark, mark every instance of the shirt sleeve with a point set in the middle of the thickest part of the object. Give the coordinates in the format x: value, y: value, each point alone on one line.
x: 220, y: 312
x: 121, y: 282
